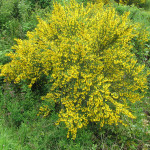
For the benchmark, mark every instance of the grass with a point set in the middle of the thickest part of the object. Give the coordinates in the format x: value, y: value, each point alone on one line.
x: 8, y: 140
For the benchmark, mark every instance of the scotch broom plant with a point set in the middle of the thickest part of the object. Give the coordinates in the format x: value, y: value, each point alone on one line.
x: 94, y: 73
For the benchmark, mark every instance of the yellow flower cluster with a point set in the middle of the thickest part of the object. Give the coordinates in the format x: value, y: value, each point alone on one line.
x: 100, y: 1
x: 94, y: 72
x: 44, y: 111
x: 29, y: 61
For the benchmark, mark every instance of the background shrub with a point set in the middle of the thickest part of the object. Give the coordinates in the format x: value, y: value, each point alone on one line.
x: 42, y: 3
x: 17, y: 104
x: 139, y: 3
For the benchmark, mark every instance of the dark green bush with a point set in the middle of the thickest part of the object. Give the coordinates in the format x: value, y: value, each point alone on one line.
x: 18, y: 104
x: 42, y: 3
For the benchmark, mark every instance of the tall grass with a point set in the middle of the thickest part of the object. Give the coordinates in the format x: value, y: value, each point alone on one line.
x: 8, y: 139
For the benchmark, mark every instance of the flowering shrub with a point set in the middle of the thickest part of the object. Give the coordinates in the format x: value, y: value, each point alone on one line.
x: 94, y: 73
x: 99, y: 1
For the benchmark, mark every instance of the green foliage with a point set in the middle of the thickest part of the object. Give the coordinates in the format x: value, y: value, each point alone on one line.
x: 4, y: 59
x: 9, y: 10
x: 16, y: 19
x: 42, y: 3
x: 42, y: 133
x: 24, y: 10
x: 52, y: 137
x: 99, y: 1
x: 139, y: 3
x: 136, y: 14
x: 6, y: 8
x: 17, y: 104
x: 7, y: 139
x: 146, y: 6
